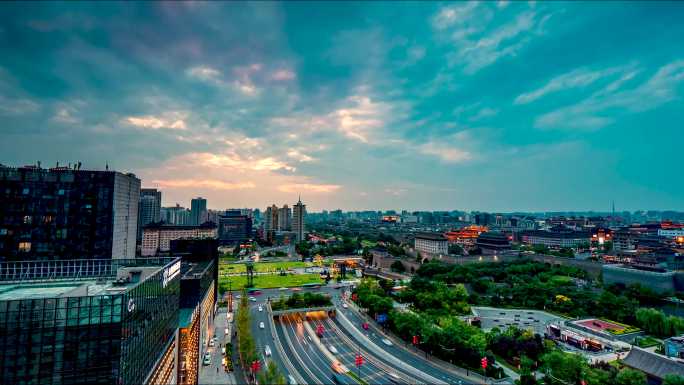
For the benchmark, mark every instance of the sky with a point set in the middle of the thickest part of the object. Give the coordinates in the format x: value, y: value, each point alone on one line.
x: 494, y: 106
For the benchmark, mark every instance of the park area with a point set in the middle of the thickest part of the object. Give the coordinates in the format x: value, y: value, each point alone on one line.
x: 261, y: 267
x: 268, y: 281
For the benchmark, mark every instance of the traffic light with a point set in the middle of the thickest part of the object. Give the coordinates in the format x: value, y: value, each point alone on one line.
x: 483, y: 362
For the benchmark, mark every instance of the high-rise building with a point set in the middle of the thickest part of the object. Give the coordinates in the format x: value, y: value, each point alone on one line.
x: 176, y: 215
x: 299, y: 219
x: 67, y: 213
x: 149, y: 208
x: 284, y: 219
x: 234, y: 228
x: 270, y: 221
x: 92, y: 321
x: 198, y: 211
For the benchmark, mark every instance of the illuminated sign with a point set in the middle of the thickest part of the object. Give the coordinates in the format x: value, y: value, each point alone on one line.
x: 170, y: 273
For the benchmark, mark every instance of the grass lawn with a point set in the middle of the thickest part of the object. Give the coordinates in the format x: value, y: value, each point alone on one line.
x: 647, y: 342
x: 270, y: 281
x: 261, y: 267
x: 365, y: 243
x: 560, y: 280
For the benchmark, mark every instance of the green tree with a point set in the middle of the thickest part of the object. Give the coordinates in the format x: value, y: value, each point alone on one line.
x: 563, y: 367
x: 673, y: 379
x: 628, y: 376
x: 397, y: 266
x: 271, y: 375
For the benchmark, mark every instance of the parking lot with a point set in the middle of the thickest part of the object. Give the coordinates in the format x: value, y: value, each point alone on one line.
x: 520, y: 318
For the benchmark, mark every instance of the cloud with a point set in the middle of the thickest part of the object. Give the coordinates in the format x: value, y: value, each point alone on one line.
x: 283, y: 75
x: 205, y: 73
x: 308, y: 188
x: 484, y: 113
x: 298, y: 156
x: 396, y: 191
x: 17, y: 106
x: 445, y: 152
x: 203, y: 183
x: 593, y: 112
x: 237, y: 162
x: 479, y: 41
x: 172, y: 121
x: 359, y: 118
x: 577, y: 78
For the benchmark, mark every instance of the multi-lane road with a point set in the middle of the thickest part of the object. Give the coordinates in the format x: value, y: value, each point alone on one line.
x: 305, y: 358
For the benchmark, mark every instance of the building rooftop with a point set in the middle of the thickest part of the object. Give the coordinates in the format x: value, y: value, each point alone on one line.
x: 653, y: 364
x: 9, y: 292
x: 432, y: 236
x: 78, y: 278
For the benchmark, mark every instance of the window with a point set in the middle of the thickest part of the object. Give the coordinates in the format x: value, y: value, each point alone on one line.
x: 60, y: 191
x: 28, y: 219
x: 24, y: 246
x: 26, y: 191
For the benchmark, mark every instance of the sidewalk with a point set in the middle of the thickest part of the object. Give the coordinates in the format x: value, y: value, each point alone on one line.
x: 215, y: 373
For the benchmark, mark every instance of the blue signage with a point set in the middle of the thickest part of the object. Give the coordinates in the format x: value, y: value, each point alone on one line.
x: 382, y: 318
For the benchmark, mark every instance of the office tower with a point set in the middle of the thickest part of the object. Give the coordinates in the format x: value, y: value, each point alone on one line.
x: 198, y: 211
x: 234, y: 228
x: 176, y: 215
x: 299, y: 219
x: 284, y: 219
x: 149, y: 208
x: 271, y: 219
x: 67, y: 213
x: 93, y: 321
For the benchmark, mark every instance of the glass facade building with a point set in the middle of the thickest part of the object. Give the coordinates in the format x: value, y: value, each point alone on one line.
x: 64, y: 213
x: 87, y: 321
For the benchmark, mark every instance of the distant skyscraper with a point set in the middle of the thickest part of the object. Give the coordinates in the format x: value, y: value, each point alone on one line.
x: 284, y: 219
x: 176, y: 215
x: 234, y: 228
x: 67, y: 213
x: 299, y: 219
x: 198, y: 211
x: 149, y: 208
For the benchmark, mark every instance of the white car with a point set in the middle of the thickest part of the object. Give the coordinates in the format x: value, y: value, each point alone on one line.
x: 387, y: 342
x: 206, y: 360
x: 212, y: 343
x: 252, y: 299
x: 261, y: 325
x: 344, y: 305
x: 261, y: 308
x: 332, y: 349
x: 291, y: 380
x: 282, y: 289
x: 267, y: 351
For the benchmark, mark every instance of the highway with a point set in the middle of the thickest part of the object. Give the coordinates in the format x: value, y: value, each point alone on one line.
x: 309, y: 360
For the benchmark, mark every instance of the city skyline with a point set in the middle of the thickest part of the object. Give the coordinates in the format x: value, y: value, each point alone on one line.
x: 491, y: 106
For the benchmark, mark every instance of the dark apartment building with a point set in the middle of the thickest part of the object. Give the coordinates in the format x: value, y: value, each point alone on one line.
x: 67, y: 213
x: 234, y: 228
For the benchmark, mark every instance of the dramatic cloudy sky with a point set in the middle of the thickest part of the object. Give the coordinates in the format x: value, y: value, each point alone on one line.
x: 478, y: 106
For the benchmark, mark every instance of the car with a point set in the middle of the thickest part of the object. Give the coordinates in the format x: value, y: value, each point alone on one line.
x: 238, y: 296
x: 387, y: 342
x: 261, y: 308
x: 226, y: 331
x: 332, y: 349
x: 267, y: 351
x: 344, y: 305
x: 207, y: 359
x: 212, y: 343
x: 261, y: 325
x: 252, y: 299
x: 291, y: 380
x: 282, y: 289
